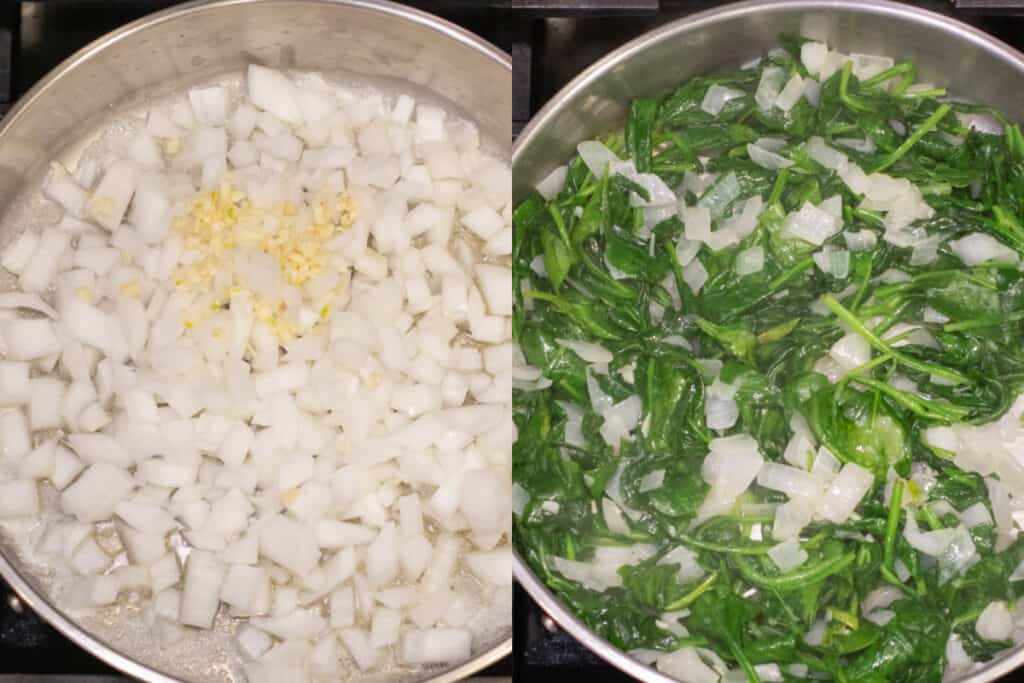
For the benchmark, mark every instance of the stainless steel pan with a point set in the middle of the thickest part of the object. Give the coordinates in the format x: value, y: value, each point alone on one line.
x: 359, y: 40
x: 948, y: 53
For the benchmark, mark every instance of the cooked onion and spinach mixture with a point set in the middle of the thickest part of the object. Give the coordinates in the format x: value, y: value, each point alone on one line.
x: 768, y: 411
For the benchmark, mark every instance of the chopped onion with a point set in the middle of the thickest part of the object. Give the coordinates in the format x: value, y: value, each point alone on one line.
x: 979, y: 247
x: 813, y: 56
x: 825, y: 155
x: 697, y: 223
x: 862, y: 145
x: 932, y: 543
x: 788, y: 555
x: 880, y: 597
x: 834, y: 262
x: 845, y: 493
x: 685, y: 664
x: 975, y: 515
x: 716, y: 97
x: 794, y: 482
x: 791, y: 93
x: 812, y: 91
x: 750, y: 261
x: 695, y: 275
x: 866, y: 66
x: 553, y: 183
x: 613, y: 517
x: 811, y: 224
x: 721, y: 195
x: 790, y: 518
x: 767, y: 159
x: 597, y: 157
x: 589, y: 352
x: 769, y: 87
x: 651, y: 481
x: 995, y: 622
x: 860, y: 240
x: 721, y: 414
x: 851, y: 351
x: 957, y: 659
x: 730, y: 468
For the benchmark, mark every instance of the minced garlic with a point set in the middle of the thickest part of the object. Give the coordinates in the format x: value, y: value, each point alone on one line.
x: 218, y: 224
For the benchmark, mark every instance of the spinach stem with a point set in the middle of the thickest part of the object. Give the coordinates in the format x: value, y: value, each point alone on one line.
x: 556, y: 216
x: 892, y: 525
x: 688, y: 599
x: 922, y: 130
x: 844, y: 92
x: 723, y: 548
x: 919, y: 365
x: 976, y: 323
x: 796, y: 578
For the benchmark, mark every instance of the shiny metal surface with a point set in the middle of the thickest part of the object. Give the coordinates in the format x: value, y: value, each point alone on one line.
x: 198, y: 41
x: 948, y: 53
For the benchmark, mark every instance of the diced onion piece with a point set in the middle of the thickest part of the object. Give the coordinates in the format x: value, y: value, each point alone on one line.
x: 860, y: 240
x: 979, y: 247
x: 851, y: 351
x: 695, y: 275
x: 791, y: 93
x: 769, y: 87
x: 813, y: 56
x: 825, y: 155
x: 273, y: 92
x: 19, y: 498
x: 788, y: 555
x: 29, y: 339
x: 812, y: 92
x: 790, y: 518
x: 201, y: 594
x: 553, y: 183
x: 999, y: 499
x: 597, y: 157
x: 862, y: 145
x: 800, y: 449
x: 811, y: 224
x: 110, y: 199
x: 589, y: 352
x: 834, y: 262
x: 793, y: 481
x: 716, y: 97
x: 721, y: 195
x: 614, y: 519
x: 730, y: 468
x: 767, y: 159
x: 750, y: 261
x: 932, y: 543
x: 845, y: 493
x: 975, y: 515
x: 866, y: 66
x: 880, y: 597
x: 435, y: 646
x: 721, y: 414
x: 685, y: 664
x: 995, y: 622
x: 96, y: 493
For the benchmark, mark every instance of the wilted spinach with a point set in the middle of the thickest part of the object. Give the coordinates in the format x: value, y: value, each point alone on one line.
x: 594, y: 265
